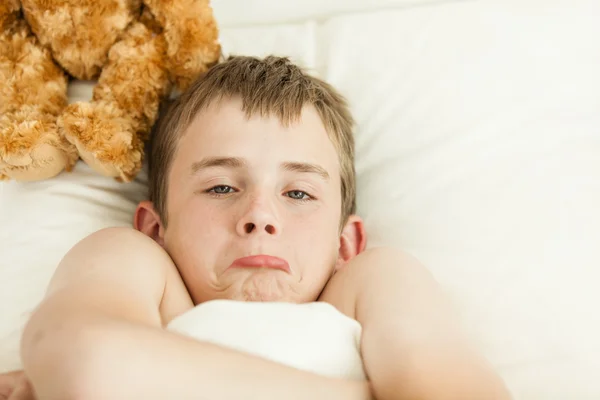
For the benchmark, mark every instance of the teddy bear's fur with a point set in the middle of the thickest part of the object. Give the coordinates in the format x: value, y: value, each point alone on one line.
x: 135, y: 51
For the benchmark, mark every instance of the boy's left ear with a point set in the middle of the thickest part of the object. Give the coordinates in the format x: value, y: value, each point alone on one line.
x: 353, y: 240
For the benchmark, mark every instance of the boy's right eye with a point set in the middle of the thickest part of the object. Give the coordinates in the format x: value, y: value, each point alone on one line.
x: 221, y: 189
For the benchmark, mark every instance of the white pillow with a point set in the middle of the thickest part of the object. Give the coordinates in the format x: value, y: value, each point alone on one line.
x: 270, y: 12
x: 478, y: 151
x: 39, y: 223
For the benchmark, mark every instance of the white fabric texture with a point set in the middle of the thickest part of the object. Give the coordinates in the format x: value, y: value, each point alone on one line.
x: 270, y: 12
x: 478, y: 151
x: 313, y: 337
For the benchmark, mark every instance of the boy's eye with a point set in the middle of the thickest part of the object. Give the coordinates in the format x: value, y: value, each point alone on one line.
x: 298, y: 195
x: 226, y: 189
x: 221, y: 189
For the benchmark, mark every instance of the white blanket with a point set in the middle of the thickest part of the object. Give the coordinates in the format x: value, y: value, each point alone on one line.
x: 314, y: 337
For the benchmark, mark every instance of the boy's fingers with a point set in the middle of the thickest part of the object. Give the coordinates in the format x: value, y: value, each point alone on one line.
x: 22, y: 391
x: 8, y: 382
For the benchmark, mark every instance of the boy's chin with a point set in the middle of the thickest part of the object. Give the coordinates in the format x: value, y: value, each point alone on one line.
x: 263, y: 287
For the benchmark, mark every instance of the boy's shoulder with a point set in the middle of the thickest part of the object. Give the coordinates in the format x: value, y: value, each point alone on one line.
x: 345, y: 286
x: 101, y: 250
x: 129, y: 257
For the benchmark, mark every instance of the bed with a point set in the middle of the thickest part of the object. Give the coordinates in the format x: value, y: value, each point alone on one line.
x: 478, y: 151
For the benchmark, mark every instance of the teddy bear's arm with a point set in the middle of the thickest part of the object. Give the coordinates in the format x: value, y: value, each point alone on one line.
x: 110, y: 131
x: 174, y: 41
x: 32, y: 94
x: 191, y: 33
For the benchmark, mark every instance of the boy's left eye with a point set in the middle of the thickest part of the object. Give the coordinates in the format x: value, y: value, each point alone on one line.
x: 298, y: 195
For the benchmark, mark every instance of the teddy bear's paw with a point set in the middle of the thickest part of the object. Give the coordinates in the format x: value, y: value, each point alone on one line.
x: 31, y: 149
x: 104, y: 138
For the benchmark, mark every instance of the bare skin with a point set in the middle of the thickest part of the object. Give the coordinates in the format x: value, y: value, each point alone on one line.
x: 15, y: 386
x: 372, y: 288
x: 99, y: 333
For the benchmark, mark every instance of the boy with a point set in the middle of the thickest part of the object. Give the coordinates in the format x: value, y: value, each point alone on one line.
x: 252, y: 197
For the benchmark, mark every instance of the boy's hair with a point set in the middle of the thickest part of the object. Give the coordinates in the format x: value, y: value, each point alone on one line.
x: 269, y: 86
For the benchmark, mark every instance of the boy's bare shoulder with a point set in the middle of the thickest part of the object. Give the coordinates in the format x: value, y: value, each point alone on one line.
x: 344, y: 287
x: 129, y: 256
x: 101, y: 250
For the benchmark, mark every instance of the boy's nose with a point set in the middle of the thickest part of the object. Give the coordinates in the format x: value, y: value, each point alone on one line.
x: 259, y: 218
x: 250, y: 227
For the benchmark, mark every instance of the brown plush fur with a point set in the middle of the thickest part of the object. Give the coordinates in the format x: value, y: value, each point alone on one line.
x: 135, y: 51
x: 32, y: 96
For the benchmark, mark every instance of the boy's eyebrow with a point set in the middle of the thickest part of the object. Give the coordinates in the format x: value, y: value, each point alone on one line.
x: 236, y: 162
x: 228, y: 162
x: 307, y: 168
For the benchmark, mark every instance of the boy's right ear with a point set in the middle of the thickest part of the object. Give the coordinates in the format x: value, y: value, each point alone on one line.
x: 147, y: 221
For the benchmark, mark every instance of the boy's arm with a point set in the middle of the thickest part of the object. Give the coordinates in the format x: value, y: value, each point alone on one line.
x: 98, y: 335
x: 411, y: 345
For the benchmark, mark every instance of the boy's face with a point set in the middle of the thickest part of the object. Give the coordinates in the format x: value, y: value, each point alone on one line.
x: 241, y: 188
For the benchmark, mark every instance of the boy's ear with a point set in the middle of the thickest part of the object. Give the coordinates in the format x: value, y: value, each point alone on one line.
x: 147, y: 221
x: 353, y: 240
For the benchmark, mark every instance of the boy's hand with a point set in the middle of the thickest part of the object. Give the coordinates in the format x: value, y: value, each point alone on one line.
x: 8, y: 382
x: 15, y: 386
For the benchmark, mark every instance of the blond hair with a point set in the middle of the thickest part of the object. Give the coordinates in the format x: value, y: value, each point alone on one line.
x: 268, y: 86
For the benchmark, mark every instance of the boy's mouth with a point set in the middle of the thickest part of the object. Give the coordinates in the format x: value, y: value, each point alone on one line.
x: 261, y: 261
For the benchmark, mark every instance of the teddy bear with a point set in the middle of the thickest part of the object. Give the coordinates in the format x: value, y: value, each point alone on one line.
x: 136, y: 52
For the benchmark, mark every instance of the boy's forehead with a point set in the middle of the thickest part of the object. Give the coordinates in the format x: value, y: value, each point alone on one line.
x: 224, y: 129
x: 232, y: 109
x: 227, y: 116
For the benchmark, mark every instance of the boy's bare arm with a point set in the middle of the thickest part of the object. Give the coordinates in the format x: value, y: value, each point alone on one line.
x: 411, y: 345
x: 99, y: 335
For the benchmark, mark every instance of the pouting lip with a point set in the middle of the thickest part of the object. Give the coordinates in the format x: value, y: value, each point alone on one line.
x: 261, y: 260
